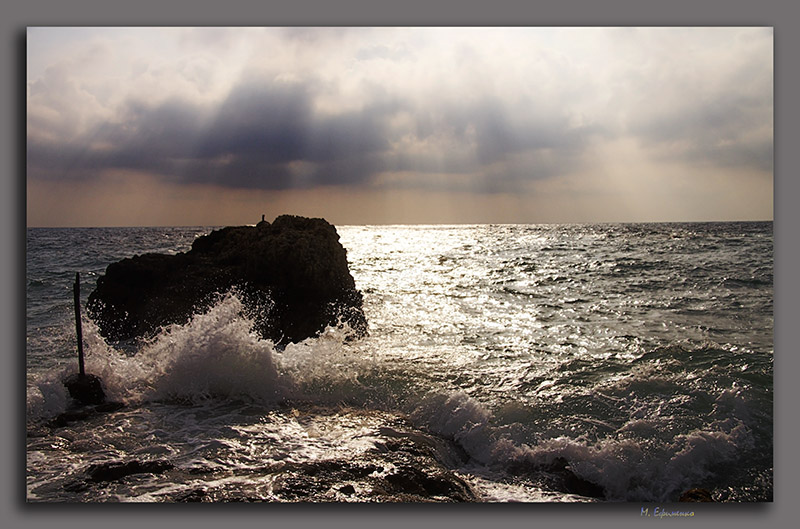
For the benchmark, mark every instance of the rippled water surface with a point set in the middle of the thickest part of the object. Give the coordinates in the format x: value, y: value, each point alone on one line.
x: 639, y: 356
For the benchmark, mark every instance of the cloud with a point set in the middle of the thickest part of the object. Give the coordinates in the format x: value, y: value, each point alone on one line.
x: 383, y: 52
x: 268, y: 134
x: 725, y: 129
x: 702, y: 97
x: 473, y: 109
x: 260, y: 136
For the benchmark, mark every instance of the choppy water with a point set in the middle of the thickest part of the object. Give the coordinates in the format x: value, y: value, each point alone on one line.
x: 642, y: 355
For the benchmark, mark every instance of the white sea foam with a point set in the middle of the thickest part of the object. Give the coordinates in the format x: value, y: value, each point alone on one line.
x: 627, y: 468
x: 217, y: 356
x: 214, y: 355
x: 48, y: 396
x: 608, y: 366
x: 459, y: 417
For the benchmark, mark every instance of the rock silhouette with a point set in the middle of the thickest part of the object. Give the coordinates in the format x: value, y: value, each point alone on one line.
x: 291, y: 275
x: 86, y: 389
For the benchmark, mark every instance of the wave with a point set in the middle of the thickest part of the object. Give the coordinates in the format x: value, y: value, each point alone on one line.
x: 619, y: 468
x: 216, y: 356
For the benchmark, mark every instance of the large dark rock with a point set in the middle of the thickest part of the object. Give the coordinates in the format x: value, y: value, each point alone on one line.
x: 292, y: 277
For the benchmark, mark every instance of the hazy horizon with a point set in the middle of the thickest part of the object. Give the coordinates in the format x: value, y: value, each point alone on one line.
x: 421, y: 224
x: 379, y: 126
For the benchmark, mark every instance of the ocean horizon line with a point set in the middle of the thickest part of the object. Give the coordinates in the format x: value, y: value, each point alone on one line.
x: 427, y: 224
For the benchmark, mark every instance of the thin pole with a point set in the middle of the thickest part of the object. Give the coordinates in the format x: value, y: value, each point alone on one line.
x: 76, y: 289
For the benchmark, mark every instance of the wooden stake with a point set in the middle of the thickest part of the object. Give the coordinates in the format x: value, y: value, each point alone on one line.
x: 76, y: 289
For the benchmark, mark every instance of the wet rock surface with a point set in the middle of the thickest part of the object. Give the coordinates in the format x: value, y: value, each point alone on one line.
x: 117, y: 469
x: 558, y: 475
x: 404, y: 472
x: 396, y: 463
x: 114, y: 471
x: 82, y: 413
x: 696, y: 495
x: 86, y: 389
x: 291, y: 275
x: 406, y: 466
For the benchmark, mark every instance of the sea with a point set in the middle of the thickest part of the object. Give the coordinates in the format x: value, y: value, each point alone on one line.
x: 635, y: 358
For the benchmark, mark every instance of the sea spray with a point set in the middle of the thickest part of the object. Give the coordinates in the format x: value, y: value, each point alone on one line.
x: 540, y: 362
x: 215, y: 357
x: 459, y: 417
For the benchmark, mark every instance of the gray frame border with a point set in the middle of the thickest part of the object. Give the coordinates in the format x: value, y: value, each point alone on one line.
x: 16, y: 15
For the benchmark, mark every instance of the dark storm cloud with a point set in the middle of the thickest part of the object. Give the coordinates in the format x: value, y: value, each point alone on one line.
x: 167, y: 131
x: 248, y: 141
x: 381, y: 117
x: 549, y: 115
x: 501, y: 131
x: 500, y: 145
x: 257, y: 136
x: 265, y: 128
x: 154, y: 139
x: 240, y: 172
x: 268, y: 123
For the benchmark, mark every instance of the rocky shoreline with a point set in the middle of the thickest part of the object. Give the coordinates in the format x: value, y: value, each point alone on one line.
x: 402, y: 465
x: 291, y: 274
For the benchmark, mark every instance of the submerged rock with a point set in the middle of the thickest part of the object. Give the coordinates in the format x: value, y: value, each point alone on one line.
x: 292, y: 277
x: 367, y: 457
x: 401, y: 470
x: 115, y: 470
x: 86, y: 389
x: 82, y: 413
x: 558, y: 475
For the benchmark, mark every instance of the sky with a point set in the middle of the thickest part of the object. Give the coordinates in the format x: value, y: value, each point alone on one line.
x: 158, y: 126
